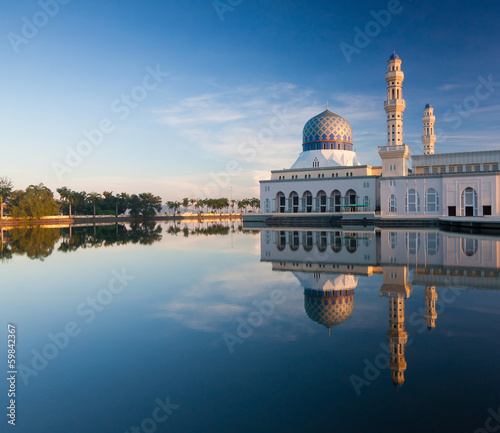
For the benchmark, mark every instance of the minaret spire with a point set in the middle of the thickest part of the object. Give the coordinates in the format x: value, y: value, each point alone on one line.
x: 327, y: 105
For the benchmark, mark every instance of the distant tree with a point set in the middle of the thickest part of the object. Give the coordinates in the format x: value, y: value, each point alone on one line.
x: 185, y: 203
x: 145, y: 204
x: 65, y: 195
x: 93, y: 197
x: 122, y: 203
x: 35, y: 202
x: 5, y: 191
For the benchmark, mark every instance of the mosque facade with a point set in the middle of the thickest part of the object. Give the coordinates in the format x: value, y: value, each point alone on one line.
x: 327, y: 176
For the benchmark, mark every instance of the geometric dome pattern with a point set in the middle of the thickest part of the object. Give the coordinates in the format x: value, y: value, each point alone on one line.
x: 327, y: 126
x: 328, y: 311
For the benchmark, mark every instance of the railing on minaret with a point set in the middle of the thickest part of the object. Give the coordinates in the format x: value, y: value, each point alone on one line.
x: 429, y: 138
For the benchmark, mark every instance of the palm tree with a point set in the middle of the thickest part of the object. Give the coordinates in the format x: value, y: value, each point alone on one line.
x: 121, y: 198
x: 93, y: 197
x: 5, y: 190
x: 66, y: 195
x: 185, y: 203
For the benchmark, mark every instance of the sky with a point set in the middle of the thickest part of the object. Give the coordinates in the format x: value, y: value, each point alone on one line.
x: 203, y: 98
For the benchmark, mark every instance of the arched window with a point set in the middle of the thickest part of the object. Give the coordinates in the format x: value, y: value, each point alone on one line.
x: 307, y: 241
x: 469, y: 202
x: 432, y: 243
x: 350, y: 199
x: 280, y: 202
x: 393, y: 204
x: 315, y: 162
x: 413, y: 242
x: 366, y: 202
x: 432, y: 200
x: 294, y: 241
x: 336, y: 241
x: 293, y: 203
x: 281, y: 241
x: 267, y: 206
x: 321, y: 241
x: 320, y: 201
x: 307, y: 202
x: 412, y: 202
x: 393, y: 239
x: 337, y: 201
x: 469, y: 246
x: 351, y: 242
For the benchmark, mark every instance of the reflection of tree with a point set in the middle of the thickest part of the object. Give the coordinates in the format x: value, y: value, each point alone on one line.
x: 35, y: 242
x: 39, y: 242
x: 104, y: 236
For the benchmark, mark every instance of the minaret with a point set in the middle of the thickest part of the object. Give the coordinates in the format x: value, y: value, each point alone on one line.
x: 395, y: 154
x: 430, y: 297
x: 395, y: 104
x: 428, y: 139
x: 396, y: 286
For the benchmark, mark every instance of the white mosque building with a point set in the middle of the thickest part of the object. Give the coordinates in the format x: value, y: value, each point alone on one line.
x: 328, y: 177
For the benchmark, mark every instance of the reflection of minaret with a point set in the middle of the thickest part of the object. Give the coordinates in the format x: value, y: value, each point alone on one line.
x: 430, y: 297
x: 397, y: 288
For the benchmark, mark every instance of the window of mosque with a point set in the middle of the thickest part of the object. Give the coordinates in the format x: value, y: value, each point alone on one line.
x: 412, y: 201
x: 451, y: 169
x: 432, y: 200
x: 393, y: 204
x: 426, y: 170
x: 460, y: 169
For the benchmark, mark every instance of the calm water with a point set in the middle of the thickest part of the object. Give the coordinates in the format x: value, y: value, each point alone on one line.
x: 211, y: 328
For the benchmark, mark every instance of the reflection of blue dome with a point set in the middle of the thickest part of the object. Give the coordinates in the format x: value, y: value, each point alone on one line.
x: 428, y: 105
x: 394, y: 56
x: 329, y: 308
x: 327, y: 131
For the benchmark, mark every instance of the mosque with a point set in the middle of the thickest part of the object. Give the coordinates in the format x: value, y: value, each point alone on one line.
x: 327, y: 177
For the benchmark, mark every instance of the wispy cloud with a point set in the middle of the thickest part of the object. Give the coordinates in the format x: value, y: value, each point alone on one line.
x: 236, y: 122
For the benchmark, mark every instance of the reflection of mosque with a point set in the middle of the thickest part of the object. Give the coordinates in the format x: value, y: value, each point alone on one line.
x: 328, y: 265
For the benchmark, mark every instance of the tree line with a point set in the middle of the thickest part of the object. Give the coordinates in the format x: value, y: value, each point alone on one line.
x: 213, y: 205
x: 37, y: 201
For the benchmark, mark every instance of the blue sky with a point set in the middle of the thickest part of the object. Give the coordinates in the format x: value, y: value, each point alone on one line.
x: 232, y: 67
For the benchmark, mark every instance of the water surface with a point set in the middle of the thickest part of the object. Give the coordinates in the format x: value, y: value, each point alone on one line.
x: 245, y: 331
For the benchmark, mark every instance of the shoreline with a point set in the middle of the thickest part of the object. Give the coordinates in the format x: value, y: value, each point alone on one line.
x: 79, y: 220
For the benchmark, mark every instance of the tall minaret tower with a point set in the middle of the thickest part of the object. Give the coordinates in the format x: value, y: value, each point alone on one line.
x: 395, y: 104
x: 428, y: 139
x: 395, y: 154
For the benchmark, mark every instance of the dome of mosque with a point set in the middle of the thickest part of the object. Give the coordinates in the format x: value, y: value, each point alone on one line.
x: 428, y: 105
x: 328, y: 308
x: 327, y: 126
x: 393, y: 56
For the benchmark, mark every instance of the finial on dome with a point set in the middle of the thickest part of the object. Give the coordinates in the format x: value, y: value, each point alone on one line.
x: 327, y: 105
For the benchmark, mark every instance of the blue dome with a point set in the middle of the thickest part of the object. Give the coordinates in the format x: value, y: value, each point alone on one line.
x: 329, y: 129
x: 428, y: 105
x: 394, y: 56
